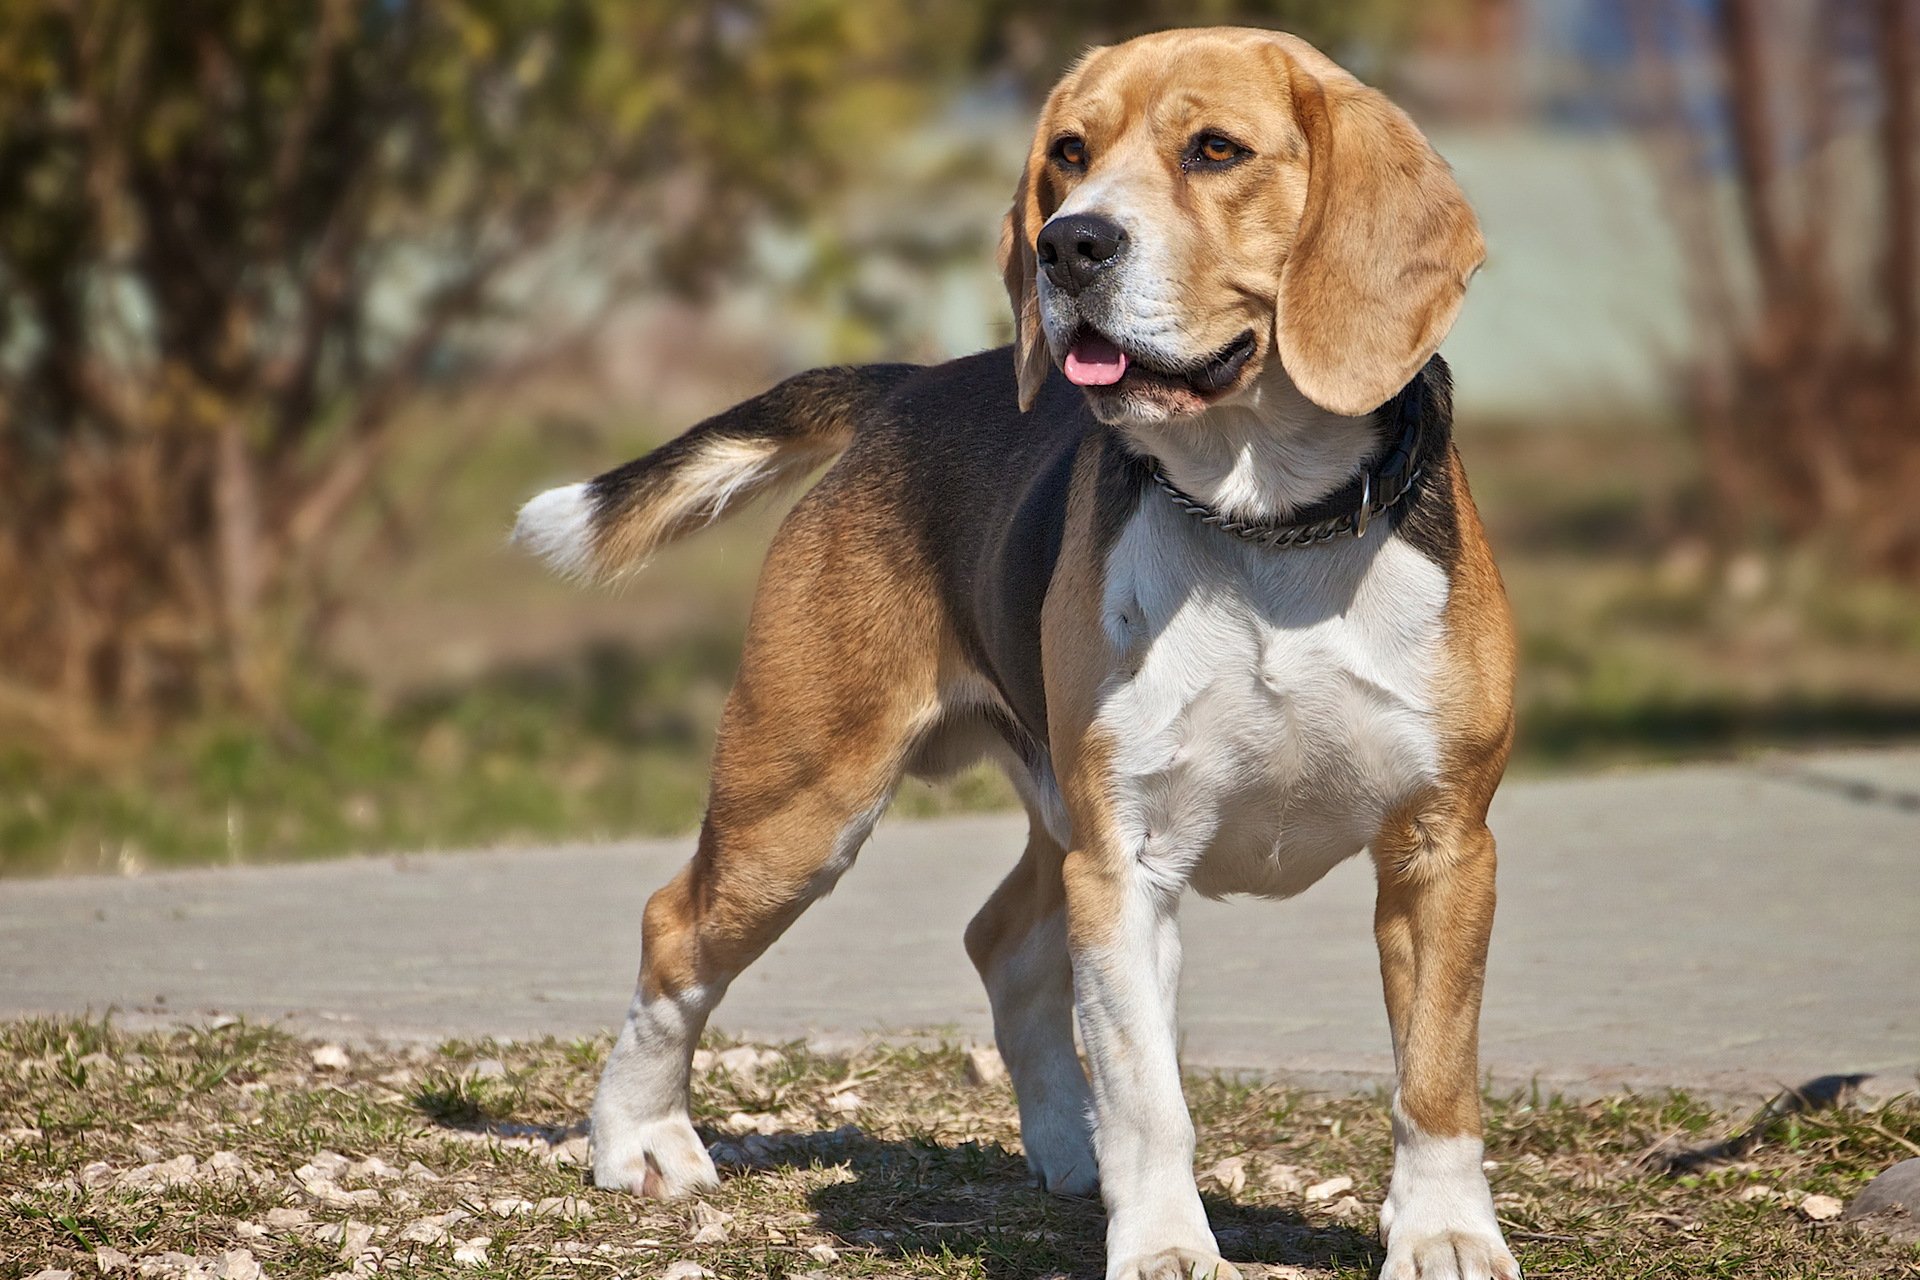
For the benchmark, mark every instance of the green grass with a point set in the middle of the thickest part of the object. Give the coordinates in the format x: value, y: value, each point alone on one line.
x: 611, y: 743
x: 885, y: 1163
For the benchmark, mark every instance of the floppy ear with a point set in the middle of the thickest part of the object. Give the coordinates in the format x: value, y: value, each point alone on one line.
x: 1031, y: 362
x: 1386, y: 246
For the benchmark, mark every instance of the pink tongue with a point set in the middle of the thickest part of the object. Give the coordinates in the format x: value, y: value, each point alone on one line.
x: 1095, y: 362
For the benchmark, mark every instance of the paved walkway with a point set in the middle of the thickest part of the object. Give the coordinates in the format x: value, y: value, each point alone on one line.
x: 1727, y: 927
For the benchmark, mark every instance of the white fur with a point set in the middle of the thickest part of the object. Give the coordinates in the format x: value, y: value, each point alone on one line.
x: 1031, y: 992
x: 560, y: 527
x: 1438, y: 1217
x: 557, y: 526
x: 1125, y: 993
x: 1264, y: 454
x: 640, y: 1109
x: 1267, y: 711
x: 1141, y: 310
x: 720, y: 472
x: 1274, y: 707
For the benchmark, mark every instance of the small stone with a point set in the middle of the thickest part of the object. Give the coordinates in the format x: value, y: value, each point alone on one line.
x: 703, y: 1060
x: 509, y: 1207
x: 1347, y: 1209
x: 472, y: 1253
x: 487, y: 1069
x: 1758, y: 1191
x: 754, y: 1122
x: 95, y: 1174
x: 351, y: 1237
x: 573, y: 1151
x: 51, y: 1273
x: 376, y: 1168
x: 286, y: 1218
x: 563, y: 1207
x: 1330, y: 1188
x: 109, y: 1260
x: 686, y: 1269
x: 238, y: 1264
x: 745, y: 1060
x: 823, y: 1253
x: 425, y: 1231
x: 331, y: 1057
x: 1877, y: 1091
x: 846, y: 1102
x: 714, y: 1223
x: 417, y: 1172
x: 1821, y: 1208
x: 1890, y: 1204
x: 1230, y: 1175
x: 161, y: 1173
x: 1285, y: 1179
x: 984, y: 1066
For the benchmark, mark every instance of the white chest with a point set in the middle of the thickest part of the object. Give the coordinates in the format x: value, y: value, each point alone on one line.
x: 1268, y: 708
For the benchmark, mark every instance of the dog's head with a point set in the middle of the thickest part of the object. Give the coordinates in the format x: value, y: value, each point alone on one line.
x: 1201, y: 206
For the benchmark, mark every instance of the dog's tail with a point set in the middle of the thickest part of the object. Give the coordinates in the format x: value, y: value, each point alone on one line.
x: 614, y: 521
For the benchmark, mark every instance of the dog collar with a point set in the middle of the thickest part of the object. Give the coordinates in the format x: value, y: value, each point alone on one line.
x: 1348, y: 511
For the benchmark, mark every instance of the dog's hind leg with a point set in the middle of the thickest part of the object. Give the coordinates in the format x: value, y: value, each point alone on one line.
x: 1018, y: 941
x: 813, y: 740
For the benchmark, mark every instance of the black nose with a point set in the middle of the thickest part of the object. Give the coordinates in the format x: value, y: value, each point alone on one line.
x: 1076, y: 248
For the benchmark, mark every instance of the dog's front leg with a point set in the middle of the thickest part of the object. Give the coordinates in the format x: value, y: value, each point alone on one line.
x: 1125, y: 943
x: 1432, y: 919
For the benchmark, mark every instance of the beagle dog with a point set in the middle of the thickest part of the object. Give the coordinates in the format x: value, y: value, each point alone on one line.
x: 1194, y: 561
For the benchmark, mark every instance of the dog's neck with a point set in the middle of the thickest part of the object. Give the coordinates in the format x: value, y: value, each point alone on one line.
x: 1264, y: 456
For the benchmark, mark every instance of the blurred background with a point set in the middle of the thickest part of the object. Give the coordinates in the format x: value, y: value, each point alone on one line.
x: 299, y: 299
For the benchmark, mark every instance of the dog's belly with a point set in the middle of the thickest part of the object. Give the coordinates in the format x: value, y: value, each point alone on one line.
x: 1271, y: 708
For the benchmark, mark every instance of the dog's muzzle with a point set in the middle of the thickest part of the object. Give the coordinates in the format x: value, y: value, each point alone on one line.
x: 1080, y: 251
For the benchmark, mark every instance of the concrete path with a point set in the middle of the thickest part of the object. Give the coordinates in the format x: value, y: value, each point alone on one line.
x: 1730, y: 928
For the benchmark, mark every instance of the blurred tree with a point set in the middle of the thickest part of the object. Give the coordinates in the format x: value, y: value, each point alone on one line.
x: 243, y: 236
x: 1791, y: 156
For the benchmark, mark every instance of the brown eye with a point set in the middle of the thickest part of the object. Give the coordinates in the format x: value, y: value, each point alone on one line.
x: 1071, y: 152
x: 1215, y: 151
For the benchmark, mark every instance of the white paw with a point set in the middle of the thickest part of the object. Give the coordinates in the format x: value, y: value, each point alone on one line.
x: 1444, y: 1232
x: 1438, y: 1220
x: 1449, y: 1255
x: 661, y: 1159
x: 1174, y: 1264
x: 1059, y: 1147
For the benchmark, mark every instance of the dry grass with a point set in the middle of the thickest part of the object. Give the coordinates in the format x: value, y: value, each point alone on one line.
x: 465, y: 1161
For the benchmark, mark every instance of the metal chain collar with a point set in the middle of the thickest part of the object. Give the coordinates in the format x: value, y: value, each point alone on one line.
x: 1382, y: 487
x: 1288, y: 536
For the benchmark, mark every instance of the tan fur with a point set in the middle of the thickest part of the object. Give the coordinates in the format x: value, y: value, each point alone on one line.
x: 1352, y: 245
x: 1435, y: 860
x: 1075, y: 658
x: 808, y: 744
x: 724, y: 473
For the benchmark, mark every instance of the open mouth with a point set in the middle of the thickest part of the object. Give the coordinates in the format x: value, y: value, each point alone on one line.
x: 1094, y: 360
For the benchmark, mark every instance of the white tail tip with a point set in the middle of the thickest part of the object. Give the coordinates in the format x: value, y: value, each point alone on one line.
x: 557, y: 526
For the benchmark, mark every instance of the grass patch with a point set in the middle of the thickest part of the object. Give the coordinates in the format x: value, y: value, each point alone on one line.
x: 465, y: 1159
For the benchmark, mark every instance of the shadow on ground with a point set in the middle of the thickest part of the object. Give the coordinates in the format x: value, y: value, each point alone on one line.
x: 911, y: 1200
